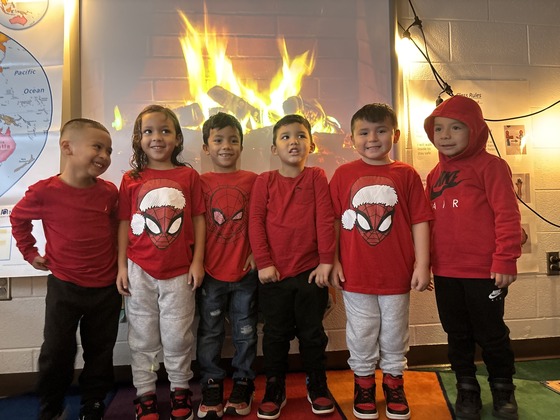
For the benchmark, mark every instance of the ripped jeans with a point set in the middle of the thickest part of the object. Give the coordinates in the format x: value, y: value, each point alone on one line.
x: 235, y: 302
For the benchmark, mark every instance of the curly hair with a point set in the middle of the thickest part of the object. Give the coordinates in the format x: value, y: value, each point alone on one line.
x: 139, y: 160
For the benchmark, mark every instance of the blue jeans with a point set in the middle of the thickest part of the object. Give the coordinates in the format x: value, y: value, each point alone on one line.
x: 215, y: 300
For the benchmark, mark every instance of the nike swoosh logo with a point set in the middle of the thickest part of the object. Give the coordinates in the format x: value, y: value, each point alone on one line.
x: 495, y: 294
x: 435, y: 194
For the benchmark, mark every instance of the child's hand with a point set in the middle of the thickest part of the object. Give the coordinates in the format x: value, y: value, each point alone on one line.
x: 421, y: 280
x: 337, y: 275
x: 40, y: 263
x: 321, y: 275
x: 269, y: 275
x: 250, y: 263
x: 195, y: 274
x: 503, y: 280
x: 122, y: 283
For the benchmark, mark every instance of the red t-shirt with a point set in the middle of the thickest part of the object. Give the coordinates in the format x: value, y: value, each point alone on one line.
x: 160, y: 205
x: 80, y: 226
x: 227, y: 222
x: 377, y: 206
x: 291, y: 221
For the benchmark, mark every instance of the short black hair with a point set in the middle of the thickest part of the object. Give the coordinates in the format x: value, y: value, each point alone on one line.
x: 80, y: 123
x: 375, y: 112
x: 291, y: 119
x: 220, y: 120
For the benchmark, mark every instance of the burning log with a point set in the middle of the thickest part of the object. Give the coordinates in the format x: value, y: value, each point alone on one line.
x: 190, y: 115
x: 239, y: 106
x: 312, y: 111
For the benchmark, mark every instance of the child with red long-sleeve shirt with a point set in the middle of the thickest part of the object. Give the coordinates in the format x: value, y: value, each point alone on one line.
x: 292, y: 237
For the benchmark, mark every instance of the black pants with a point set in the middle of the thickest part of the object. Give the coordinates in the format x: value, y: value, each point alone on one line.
x: 472, y: 312
x: 293, y: 308
x: 96, y: 310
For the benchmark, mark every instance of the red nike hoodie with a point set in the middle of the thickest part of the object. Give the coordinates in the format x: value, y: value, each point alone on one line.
x: 477, y: 225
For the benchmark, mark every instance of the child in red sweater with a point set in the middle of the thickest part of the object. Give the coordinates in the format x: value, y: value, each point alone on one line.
x: 79, y: 215
x: 292, y: 238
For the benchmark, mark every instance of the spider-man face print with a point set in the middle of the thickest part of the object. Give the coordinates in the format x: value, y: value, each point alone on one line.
x: 372, y: 206
x: 160, y: 212
x: 227, y: 213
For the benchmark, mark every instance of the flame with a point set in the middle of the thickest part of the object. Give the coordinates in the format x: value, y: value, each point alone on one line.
x: 213, y: 81
x: 117, y: 124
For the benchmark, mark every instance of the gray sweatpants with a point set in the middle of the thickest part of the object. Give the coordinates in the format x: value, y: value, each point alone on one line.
x: 377, y: 330
x: 160, y: 316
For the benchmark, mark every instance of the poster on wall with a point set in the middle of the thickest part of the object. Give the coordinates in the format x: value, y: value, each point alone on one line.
x: 31, y: 58
x: 509, y: 139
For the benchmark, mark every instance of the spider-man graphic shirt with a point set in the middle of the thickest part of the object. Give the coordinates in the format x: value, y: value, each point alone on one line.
x: 159, y: 205
x: 227, y: 222
x: 376, y: 206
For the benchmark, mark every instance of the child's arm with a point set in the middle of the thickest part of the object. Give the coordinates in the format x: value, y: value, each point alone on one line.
x: 421, y: 274
x: 196, y: 271
x: 21, y: 217
x: 337, y: 275
x: 122, y: 260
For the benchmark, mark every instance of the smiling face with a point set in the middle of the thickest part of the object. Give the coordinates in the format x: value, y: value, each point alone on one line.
x: 159, y: 140
x: 293, y: 143
x: 451, y: 137
x: 88, y: 152
x: 374, y: 140
x: 224, y: 148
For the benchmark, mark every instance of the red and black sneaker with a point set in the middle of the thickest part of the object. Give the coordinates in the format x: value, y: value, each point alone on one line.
x: 241, y: 397
x: 146, y: 407
x: 274, y: 399
x: 318, y: 393
x: 181, y: 405
x: 397, y: 405
x: 364, y: 397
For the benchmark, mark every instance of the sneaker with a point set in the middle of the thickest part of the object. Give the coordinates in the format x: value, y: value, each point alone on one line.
x: 181, y: 405
x: 93, y: 410
x: 211, y: 406
x: 46, y: 413
x: 364, y: 397
x: 274, y: 399
x: 503, y: 399
x: 146, y: 407
x: 393, y: 389
x: 318, y: 393
x: 239, y: 402
x: 468, y: 404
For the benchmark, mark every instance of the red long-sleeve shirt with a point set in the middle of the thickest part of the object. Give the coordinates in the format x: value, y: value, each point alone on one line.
x: 80, y: 228
x: 291, y: 223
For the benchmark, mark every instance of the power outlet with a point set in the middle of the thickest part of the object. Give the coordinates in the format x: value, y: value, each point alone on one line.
x: 5, y: 288
x: 552, y: 264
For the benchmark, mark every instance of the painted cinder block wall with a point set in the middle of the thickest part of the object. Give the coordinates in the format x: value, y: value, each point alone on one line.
x: 480, y: 39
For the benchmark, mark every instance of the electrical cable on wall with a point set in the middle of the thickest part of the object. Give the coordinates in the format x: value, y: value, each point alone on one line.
x: 446, y: 88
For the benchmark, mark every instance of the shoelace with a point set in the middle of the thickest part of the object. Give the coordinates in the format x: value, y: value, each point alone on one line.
x: 396, y: 395
x: 212, y: 395
x: 239, y: 390
x: 273, y: 392
x: 468, y: 396
x: 365, y: 394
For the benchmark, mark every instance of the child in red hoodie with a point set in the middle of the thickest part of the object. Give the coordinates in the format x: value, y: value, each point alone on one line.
x: 475, y: 242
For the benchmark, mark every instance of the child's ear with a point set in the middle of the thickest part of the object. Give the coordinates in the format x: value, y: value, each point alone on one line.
x: 273, y: 150
x: 396, y: 136
x: 312, y: 146
x: 65, y: 147
x: 205, y: 148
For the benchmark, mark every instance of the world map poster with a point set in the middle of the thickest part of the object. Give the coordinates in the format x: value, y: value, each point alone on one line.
x: 31, y: 59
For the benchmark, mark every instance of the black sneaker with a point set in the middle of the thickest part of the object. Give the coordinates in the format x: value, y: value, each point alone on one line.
x: 211, y: 406
x: 274, y: 399
x: 364, y: 397
x: 241, y: 397
x: 503, y: 398
x: 393, y: 389
x: 468, y: 404
x: 92, y: 410
x: 318, y: 393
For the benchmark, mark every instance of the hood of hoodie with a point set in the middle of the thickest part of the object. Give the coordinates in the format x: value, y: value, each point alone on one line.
x: 468, y: 112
